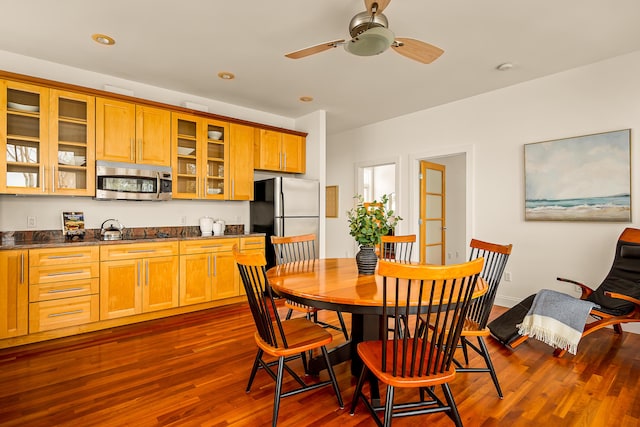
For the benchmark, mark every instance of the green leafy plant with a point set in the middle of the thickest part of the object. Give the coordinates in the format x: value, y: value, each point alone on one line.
x: 368, y: 222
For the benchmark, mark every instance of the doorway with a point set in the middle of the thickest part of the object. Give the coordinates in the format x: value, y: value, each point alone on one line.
x: 433, y: 225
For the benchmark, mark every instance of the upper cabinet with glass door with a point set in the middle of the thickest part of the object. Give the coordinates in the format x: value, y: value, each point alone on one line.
x: 200, y: 152
x: 72, y: 143
x: 48, y: 141
x: 24, y: 132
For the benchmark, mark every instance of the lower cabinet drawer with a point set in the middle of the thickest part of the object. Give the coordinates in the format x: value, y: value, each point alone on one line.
x: 60, y: 313
x: 59, y: 273
x: 72, y: 288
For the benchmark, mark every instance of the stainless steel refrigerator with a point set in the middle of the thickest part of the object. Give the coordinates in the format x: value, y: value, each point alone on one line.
x: 284, y: 206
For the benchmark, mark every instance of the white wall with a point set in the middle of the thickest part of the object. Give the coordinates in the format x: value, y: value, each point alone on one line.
x: 15, y: 209
x: 597, y: 98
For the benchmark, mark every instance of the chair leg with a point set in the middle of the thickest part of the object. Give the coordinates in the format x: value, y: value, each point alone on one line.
x: 388, y: 406
x: 358, y: 391
x: 256, y: 365
x: 305, y: 365
x: 343, y: 326
x: 487, y: 360
x: 332, y: 375
x: 455, y: 416
x: 278, y: 391
x: 289, y: 313
x: 617, y: 328
x: 465, y: 352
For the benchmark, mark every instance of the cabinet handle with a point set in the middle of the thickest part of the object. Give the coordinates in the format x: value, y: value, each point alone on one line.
x: 210, y: 246
x: 65, y: 273
x: 22, y: 267
x: 139, y: 273
x: 140, y: 149
x: 138, y: 251
x: 65, y: 313
x: 208, y: 265
x: 58, y: 291
x: 146, y: 273
x: 253, y: 243
x: 64, y: 256
x: 42, y: 178
x: 280, y: 161
x: 53, y: 179
x: 285, y: 160
x: 215, y: 265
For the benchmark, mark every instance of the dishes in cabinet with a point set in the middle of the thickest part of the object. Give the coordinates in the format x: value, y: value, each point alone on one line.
x: 23, y: 107
x: 214, y: 190
x: 185, y: 151
x: 214, y: 134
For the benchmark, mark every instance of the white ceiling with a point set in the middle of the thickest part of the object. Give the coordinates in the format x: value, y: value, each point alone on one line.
x: 182, y: 45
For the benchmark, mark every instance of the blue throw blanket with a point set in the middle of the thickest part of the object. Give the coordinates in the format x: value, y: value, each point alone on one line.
x: 556, y: 319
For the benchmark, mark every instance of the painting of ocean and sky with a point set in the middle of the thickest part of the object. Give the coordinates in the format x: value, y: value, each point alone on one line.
x: 586, y: 178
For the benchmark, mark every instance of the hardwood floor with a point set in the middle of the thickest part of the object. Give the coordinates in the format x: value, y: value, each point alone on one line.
x: 191, y: 370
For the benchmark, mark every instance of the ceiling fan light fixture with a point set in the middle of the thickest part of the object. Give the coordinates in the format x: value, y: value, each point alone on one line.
x: 374, y: 41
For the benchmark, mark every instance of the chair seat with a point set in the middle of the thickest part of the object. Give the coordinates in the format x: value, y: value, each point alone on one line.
x: 371, y: 354
x: 472, y: 329
x: 302, y: 335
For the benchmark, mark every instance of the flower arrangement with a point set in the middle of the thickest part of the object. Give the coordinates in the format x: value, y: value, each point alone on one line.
x: 368, y: 222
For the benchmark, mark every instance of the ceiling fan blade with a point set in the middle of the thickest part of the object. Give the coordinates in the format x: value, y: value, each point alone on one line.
x: 382, y: 4
x: 314, y: 49
x: 417, y: 50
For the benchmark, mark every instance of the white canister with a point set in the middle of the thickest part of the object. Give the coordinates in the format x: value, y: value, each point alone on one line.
x: 206, y: 225
x: 218, y: 228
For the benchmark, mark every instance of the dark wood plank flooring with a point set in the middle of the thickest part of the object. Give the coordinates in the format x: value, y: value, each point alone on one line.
x: 191, y: 370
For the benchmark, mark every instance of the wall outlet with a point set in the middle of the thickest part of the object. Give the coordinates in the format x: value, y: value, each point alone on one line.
x: 183, y: 220
x: 31, y: 222
x: 507, y: 276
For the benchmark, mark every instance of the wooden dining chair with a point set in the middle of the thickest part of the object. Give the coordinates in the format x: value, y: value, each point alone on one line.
x: 286, y: 340
x: 397, y: 248
x: 495, y: 259
x: 423, y: 358
x: 302, y: 248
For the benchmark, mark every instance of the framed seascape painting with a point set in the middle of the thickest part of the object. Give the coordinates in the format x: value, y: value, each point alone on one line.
x: 585, y: 178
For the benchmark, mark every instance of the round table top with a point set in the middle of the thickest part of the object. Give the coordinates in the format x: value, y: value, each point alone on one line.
x: 333, y: 283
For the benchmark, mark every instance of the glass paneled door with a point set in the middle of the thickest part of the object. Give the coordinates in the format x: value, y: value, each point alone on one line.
x: 432, y: 213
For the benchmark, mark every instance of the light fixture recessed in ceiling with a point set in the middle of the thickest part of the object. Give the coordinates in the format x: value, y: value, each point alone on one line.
x: 225, y: 75
x: 103, y: 39
x: 306, y: 98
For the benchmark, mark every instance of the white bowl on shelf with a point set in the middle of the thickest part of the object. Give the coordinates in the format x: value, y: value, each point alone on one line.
x: 214, y: 190
x: 185, y: 151
x: 214, y: 134
x: 23, y: 107
x: 80, y: 160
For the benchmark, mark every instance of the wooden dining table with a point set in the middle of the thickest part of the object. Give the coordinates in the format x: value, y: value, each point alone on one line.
x: 334, y: 284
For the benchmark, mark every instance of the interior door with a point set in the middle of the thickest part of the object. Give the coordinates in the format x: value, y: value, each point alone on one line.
x: 432, y: 213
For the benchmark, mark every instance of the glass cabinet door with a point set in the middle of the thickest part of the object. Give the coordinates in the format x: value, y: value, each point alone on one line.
x: 72, y: 141
x: 214, y: 158
x: 185, y: 160
x: 24, y: 121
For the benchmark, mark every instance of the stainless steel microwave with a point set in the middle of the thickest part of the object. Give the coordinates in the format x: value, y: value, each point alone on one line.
x: 129, y: 181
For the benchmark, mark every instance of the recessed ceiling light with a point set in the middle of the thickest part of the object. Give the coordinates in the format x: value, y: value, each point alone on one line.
x: 225, y: 75
x: 103, y: 39
x: 306, y: 98
x: 505, y: 67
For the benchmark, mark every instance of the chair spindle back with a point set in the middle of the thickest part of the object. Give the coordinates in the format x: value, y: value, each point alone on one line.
x: 252, y: 267
x: 294, y: 248
x: 443, y: 291
x: 495, y: 259
x: 397, y: 248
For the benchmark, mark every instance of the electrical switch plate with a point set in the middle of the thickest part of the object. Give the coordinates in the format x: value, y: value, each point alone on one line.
x: 507, y: 276
x: 31, y: 222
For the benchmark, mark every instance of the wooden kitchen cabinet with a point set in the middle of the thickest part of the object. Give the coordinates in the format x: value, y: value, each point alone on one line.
x: 47, y: 141
x: 132, y: 133
x: 200, y: 157
x: 279, y: 151
x: 63, y: 287
x: 138, y: 278
x: 241, y: 151
x: 14, y: 293
x: 207, y: 270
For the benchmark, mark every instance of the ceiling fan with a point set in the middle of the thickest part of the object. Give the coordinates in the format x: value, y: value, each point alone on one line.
x: 370, y: 36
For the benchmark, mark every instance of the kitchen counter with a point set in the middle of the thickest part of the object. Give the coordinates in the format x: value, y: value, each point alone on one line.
x: 54, y: 239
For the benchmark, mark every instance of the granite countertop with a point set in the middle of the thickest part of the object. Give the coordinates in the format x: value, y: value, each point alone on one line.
x: 54, y: 238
